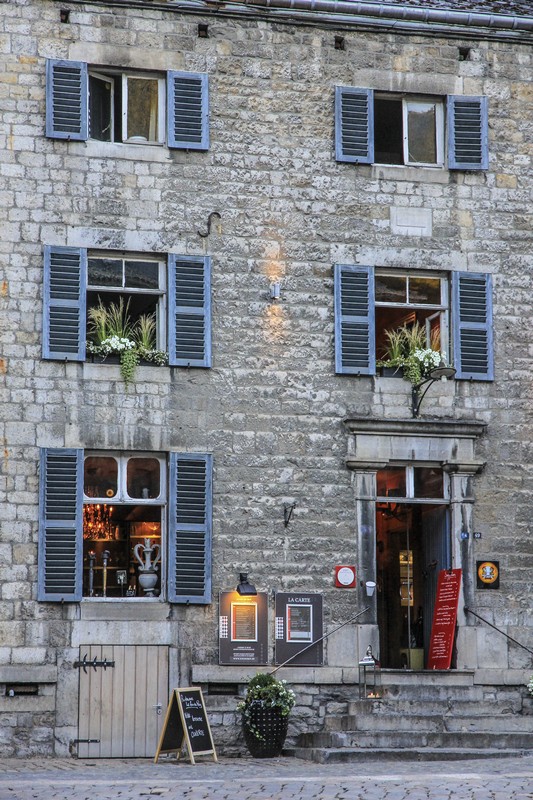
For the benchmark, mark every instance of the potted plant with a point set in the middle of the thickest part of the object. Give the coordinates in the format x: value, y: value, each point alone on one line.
x: 111, y: 332
x: 407, y: 350
x: 265, y: 715
x: 529, y: 685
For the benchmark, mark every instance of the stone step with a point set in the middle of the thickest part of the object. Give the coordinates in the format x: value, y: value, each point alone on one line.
x: 416, y: 739
x: 429, y: 677
x: 471, y: 723
x: 466, y: 708
x: 346, y: 755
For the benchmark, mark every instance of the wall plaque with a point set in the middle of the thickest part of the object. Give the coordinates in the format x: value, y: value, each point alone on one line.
x: 298, y: 628
x: 243, y: 629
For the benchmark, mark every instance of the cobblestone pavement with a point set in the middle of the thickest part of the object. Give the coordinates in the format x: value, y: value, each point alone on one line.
x: 268, y: 779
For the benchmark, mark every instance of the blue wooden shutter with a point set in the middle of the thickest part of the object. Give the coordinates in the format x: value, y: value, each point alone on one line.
x: 60, y: 525
x: 187, y: 110
x: 354, y: 125
x: 189, y: 528
x: 472, y: 326
x: 65, y: 281
x: 66, y: 100
x: 468, y: 133
x: 355, y: 348
x: 189, y: 306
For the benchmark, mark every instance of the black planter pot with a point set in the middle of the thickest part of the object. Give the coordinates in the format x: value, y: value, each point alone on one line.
x: 271, y: 726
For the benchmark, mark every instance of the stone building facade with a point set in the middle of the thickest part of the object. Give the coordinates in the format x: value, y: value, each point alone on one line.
x: 187, y: 158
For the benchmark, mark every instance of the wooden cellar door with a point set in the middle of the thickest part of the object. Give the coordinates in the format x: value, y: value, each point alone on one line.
x: 123, y: 694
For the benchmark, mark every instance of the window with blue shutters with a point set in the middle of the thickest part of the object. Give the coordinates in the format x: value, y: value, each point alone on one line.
x: 374, y: 304
x: 164, y: 306
x: 112, y: 105
x: 107, y: 530
x: 374, y: 127
x: 190, y: 509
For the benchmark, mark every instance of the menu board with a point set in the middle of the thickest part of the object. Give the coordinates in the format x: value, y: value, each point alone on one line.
x: 444, y: 618
x: 186, y: 722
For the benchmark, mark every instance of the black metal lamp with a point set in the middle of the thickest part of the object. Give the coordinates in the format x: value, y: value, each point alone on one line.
x: 442, y: 371
x: 244, y: 587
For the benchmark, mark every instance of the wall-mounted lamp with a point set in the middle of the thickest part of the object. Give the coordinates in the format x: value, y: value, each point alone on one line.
x: 275, y: 290
x: 442, y: 371
x: 370, y: 587
x: 244, y: 587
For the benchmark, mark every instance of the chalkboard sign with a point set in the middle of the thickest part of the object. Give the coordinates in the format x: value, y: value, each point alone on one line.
x: 186, y: 721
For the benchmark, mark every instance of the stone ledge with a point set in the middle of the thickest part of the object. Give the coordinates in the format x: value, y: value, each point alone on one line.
x: 24, y: 673
x: 502, y: 677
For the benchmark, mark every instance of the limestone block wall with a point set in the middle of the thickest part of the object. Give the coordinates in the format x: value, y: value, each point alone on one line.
x: 271, y: 407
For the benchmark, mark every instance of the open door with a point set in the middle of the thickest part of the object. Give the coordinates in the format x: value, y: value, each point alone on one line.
x: 412, y: 546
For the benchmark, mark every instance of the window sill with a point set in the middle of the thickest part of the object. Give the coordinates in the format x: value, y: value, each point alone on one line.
x: 147, y: 609
x: 106, y: 371
x: 399, y: 172
x: 93, y: 148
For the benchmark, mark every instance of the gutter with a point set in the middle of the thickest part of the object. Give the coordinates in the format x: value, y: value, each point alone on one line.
x: 347, y: 14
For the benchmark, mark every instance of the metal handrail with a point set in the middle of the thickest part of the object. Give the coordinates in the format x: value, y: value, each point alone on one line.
x: 511, y: 639
x: 322, y: 638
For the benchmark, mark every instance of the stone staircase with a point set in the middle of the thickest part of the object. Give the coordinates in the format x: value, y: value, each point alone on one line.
x: 426, y: 716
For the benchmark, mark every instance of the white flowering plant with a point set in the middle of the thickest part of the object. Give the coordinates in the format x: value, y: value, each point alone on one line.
x: 265, y: 691
x: 407, y: 349
x: 111, y: 332
x: 530, y: 685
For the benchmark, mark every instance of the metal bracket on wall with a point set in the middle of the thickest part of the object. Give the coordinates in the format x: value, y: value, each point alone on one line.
x: 94, y: 664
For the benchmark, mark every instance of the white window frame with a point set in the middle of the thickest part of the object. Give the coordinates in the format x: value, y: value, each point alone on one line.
x: 110, y: 76
x: 410, y: 486
x: 443, y: 310
x: 160, y: 292
x: 161, y: 110
x: 409, y: 103
x: 122, y: 497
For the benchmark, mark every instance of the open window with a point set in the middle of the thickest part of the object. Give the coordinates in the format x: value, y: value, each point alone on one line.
x: 129, y: 106
x: 123, y: 504
x: 371, y: 302
x: 135, y: 285
x: 406, y: 300
x: 408, y: 131
x: 125, y: 526
x: 95, y: 299
x: 384, y: 128
x: 126, y: 107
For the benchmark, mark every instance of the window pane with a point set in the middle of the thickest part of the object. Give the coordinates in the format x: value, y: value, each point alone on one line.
x: 100, y: 95
x: 143, y: 478
x: 100, y: 478
x: 391, y: 289
x: 142, y: 274
x: 424, y: 290
x: 421, y: 136
x: 115, y: 550
x: 143, y: 96
x: 104, y: 271
x: 391, y: 482
x: 388, y: 136
x: 428, y: 482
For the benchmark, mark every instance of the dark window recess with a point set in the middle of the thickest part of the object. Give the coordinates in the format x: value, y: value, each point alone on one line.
x: 19, y: 689
x: 64, y: 15
x: 203, y: 31
x: 464, y: 54
x: 388, y: 131
x: 339, y: 43
x: 222, y: 689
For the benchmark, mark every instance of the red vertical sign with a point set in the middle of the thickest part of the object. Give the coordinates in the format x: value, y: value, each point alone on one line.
x: 444, y: 618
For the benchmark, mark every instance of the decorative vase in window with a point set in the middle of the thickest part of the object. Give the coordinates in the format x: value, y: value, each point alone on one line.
x: 148, y: 568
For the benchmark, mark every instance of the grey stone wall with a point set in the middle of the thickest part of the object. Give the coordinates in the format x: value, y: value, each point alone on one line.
x: 271, y: 407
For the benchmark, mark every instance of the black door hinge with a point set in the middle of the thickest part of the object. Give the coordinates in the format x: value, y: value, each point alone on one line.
x: 94, y: 663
